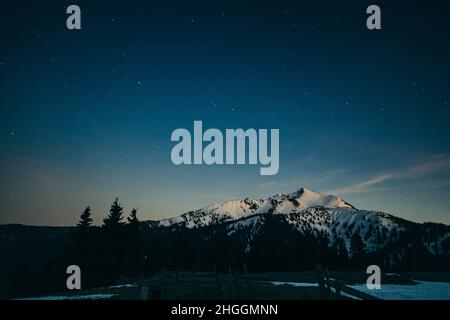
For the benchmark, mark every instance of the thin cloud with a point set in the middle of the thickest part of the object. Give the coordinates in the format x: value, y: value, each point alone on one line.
x: 362, y: 186
x: 425, y: 168
x: 411, y: 172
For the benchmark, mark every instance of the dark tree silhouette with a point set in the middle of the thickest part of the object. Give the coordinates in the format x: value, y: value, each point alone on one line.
x: 133, y: 219
x: 81, y: 240
x: 85, y: 219
x: 358, y: 252
x: 81, y: 247
x: 112, y: 246
x: 135, y: 245
x: 339, y: 255
x: 115, y: 217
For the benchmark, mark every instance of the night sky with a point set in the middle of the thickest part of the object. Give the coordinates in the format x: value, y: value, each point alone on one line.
x: 87, y: 115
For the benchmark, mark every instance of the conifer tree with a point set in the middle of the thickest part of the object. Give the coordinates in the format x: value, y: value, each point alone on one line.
x: 340, y: 254
x: 358, y: 253
x: 115, y: 217
x: 80, y: 248
x: 112, y: 245
x: 133, y: 219
x: 135, y: 245
x: 85, y: 219
x: 82, y: 236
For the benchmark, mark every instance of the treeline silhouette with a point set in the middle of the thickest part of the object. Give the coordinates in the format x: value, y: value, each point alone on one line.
x: 105, y: 253
x: 120, y: 248
x: 276, y: 247
x: 124, y: 247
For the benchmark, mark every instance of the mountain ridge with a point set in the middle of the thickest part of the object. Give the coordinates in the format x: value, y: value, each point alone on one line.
x: 312, y: 214
x: 285, y: 231
x: 280, y: 203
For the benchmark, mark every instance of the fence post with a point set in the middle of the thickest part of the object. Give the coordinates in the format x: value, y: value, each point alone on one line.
x: 337, y: 288
x: 321, y: 281
x: 144, y: 293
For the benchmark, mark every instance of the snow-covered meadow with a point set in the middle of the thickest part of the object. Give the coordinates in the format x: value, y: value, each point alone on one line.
x: 421, y: 291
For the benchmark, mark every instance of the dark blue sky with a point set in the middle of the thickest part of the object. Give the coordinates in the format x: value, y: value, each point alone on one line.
x: 87, y: 115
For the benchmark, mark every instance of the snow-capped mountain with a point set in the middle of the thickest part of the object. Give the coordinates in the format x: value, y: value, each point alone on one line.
x: 282, y: 203
x: 285, y: 232
x: 312, y: 214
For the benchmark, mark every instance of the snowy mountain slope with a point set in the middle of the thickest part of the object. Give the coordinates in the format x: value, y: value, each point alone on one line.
x: 376, y: 229
x: 318, y: 215
x: 305, y: 198
x: 283, y: 203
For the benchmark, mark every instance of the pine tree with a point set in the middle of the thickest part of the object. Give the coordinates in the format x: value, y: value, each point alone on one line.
x: 85, y: 219
x: 80, y: 248
x: 83, y: 234
x: 134, y: 244
x: 358, y: 251
x: 133, y: 219
x: 115, y: 217
x: 112, y: 245
x: 340, y: 250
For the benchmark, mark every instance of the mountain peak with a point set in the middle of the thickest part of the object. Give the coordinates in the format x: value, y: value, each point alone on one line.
x: 307, y: 198
x: 281, y: 203
x: 295, y: 194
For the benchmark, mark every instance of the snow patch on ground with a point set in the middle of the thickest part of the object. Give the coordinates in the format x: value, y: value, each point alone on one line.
x: 80, y: 297
x: 128, y: 285
x: 421, y: 291
x: 306, y: 284
x: 294, y: 284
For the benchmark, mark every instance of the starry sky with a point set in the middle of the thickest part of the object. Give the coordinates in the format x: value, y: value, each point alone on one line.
x: 87, y: 115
